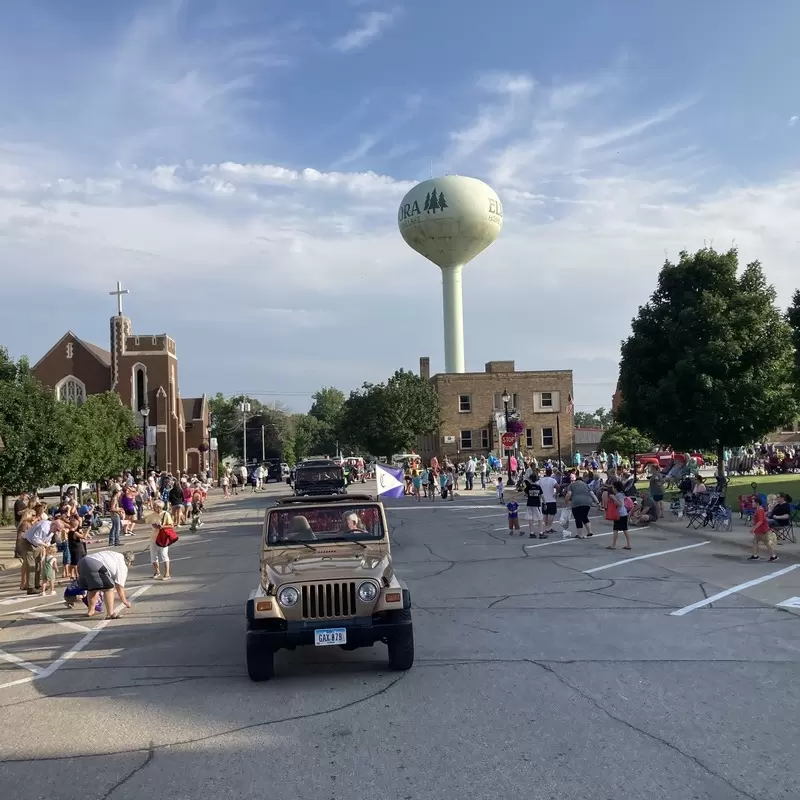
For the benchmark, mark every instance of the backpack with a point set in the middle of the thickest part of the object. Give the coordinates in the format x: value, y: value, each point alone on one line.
x: 628, y: 503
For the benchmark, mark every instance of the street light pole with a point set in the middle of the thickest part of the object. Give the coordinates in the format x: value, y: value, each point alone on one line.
x: 145, y: 412
x: 506, y: 401
x: 244, y: 407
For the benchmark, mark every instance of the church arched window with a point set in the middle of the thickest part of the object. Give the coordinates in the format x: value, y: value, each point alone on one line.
x: 139, y: 388
x: 71, y: 390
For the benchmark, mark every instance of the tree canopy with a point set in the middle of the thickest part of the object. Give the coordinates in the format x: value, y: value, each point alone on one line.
x: 710, y: 360
x: 386, y: 418
x: 627, y: 441
x: 48, y: 442
x: 601, y: 418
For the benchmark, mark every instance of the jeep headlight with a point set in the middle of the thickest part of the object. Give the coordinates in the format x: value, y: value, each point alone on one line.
x: 367, y: 591
x: 288, y: 596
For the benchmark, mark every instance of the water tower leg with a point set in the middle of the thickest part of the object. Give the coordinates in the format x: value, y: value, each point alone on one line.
x: 453, y: 319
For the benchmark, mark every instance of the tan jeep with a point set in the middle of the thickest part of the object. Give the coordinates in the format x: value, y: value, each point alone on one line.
x: 327, y: 579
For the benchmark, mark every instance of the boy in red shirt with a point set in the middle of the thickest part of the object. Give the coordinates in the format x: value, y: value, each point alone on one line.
x: 762, y: 533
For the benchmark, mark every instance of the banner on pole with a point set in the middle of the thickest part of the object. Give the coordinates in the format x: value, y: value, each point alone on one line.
x: 390, y: 480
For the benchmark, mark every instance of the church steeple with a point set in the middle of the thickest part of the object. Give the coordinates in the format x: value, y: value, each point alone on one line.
x: 120, y: 330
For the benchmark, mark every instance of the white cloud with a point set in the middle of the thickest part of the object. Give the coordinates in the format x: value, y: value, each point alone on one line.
x: 370, y: 26
x: 793, y: 120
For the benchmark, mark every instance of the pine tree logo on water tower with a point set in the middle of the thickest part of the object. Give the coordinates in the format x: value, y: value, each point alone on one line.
x: 434, y: 202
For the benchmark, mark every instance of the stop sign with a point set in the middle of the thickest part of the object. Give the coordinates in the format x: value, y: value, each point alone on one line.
x: 509, y: 440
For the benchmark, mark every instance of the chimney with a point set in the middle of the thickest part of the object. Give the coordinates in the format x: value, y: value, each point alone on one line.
x: 425, y: 368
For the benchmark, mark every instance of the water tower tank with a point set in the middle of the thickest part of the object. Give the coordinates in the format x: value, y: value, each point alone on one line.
x: 450, y: 220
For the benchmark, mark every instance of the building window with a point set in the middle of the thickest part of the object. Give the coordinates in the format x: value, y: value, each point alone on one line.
x: 529, y: 437
x: 547, y: 437
x: 466, y: 440
x: 71, y: 390
x: 139, y: 389
x: 546, y: 402
x: 500, y: 406
x: 464, y: 403
x: 485, y: 439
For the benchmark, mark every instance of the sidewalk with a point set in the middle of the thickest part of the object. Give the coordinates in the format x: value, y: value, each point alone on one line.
x: 8, y: 537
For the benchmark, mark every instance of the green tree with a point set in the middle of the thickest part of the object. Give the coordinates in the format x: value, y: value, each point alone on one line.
x: 627, y: 441
x: 107, y: 425
x: 601, y: 418
x: 386, y: 418
x: 710, y: 360
x: 35, y: 444
x: 306, y: 430
x: 328, y: 408
x: 793, y: 318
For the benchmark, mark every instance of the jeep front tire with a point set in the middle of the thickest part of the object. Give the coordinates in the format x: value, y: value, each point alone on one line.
x: 260, y: 658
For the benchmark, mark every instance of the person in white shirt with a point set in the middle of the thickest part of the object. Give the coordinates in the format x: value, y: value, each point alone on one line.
x: 105, y: 571
x: 32, y: 548
x: 549, y: 487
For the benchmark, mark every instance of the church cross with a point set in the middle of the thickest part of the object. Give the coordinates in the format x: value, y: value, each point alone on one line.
x: 119, y: 292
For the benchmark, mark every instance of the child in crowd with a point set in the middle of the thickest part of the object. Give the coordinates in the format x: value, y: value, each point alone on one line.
x: 416, y: 482
x: 424, y: 481
x: 500, y: 488
x: 197, y: 508
x: 450, y: 483
x: 513, y: 517
x: 49, y: 569
x: 431, y: 484
x: 534, y: 507
x: 762, y: 533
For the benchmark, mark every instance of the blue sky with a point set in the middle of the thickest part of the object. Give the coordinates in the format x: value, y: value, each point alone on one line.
x: 238, y: 166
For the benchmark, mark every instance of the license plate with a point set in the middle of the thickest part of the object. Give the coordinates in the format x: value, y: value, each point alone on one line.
x: 329, y: 636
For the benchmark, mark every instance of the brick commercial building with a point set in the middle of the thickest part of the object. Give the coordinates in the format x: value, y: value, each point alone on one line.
x: 473, y: 415
x: 143, y: 371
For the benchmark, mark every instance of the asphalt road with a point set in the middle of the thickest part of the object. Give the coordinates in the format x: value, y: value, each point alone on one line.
x: 534, y: 678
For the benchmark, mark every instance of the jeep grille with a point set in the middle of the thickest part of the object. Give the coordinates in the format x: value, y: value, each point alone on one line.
x: 326, y: 600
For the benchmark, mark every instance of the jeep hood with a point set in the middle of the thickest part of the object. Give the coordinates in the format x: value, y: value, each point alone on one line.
x: 344, y: 564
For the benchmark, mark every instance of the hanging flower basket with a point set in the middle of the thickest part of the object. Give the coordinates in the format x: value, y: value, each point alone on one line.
x: 203, y: 448
x: 516, y: 426
x: 135, y: 443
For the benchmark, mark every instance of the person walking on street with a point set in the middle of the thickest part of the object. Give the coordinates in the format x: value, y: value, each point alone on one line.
x: 549, y: 488
x: 619, y: 515
x: 470, y: 472
x: 33, y: 546
x: 581, y: 498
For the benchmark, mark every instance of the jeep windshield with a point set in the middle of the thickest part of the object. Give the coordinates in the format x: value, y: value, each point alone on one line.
x: 318, y: 474
x: 342, y: 523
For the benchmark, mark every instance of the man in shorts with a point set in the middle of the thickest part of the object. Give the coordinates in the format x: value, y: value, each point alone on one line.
x: 105, y: 571
x: 549, y: 486
x: 534, y: 506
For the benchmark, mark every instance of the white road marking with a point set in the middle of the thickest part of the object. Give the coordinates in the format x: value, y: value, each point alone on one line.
x: 746, y: 585
x: 11, y: 658
x: 46, y: 672
x: 195, y: 541
x: 33, y: 608
x: 11, y: 600
x: 561, y: 541
x: 792, y: 602
x: 641, y: 558
x: 68, y: 623
x: 487, y: 516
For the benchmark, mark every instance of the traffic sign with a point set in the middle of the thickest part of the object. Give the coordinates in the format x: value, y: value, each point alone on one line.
x: 509, y: 440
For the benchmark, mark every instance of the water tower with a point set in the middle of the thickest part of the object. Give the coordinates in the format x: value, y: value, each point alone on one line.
x: 450, y: 220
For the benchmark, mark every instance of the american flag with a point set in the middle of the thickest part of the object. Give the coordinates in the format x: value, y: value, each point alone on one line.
x: 570, y: 403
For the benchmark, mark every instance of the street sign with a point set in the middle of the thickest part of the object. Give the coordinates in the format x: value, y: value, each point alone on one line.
x: 509, y: 440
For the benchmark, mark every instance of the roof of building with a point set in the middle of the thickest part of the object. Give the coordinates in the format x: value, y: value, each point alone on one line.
x: 97, y: 351
x: 103, y: 356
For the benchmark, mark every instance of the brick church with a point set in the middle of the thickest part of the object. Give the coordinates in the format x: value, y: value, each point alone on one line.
x: 143, y: 371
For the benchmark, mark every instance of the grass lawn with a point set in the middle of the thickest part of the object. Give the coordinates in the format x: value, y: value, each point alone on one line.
x: 765, y: 484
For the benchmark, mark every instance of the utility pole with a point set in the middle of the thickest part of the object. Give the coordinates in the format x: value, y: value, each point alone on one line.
x: 263, y: 450
x: 244, y: 407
